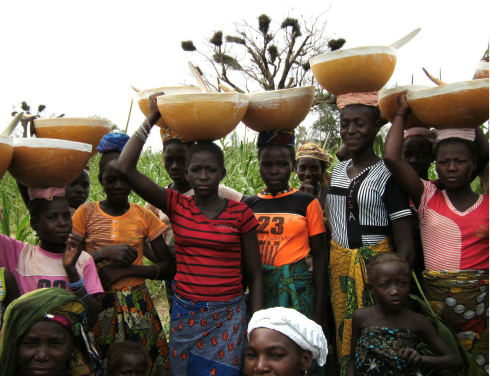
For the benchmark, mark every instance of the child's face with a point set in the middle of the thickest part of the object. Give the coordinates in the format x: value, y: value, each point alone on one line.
x: 174, y: 161
x: 204, y: 173
x: 454, y: 165
x: 54, y: 223
x: 132, y: 365
x: 390, y: 283
x: 78, y: 190
x: 116, y: 190
x: 275, y: 168
x: 417, y: 152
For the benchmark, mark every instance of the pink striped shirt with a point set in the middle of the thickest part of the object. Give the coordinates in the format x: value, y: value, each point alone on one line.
x: 453, y: 240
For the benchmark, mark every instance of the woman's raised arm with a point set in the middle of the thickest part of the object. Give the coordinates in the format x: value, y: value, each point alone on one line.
x: 142, y: 185
x: 403, y: 173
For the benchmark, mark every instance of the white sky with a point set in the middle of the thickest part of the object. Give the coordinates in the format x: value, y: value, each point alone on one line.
x: 80, y: 57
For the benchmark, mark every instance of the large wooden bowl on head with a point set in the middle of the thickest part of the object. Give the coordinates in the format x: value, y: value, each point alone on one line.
x: 278, y: 109
x: 481, y: 69
x: 389, y: 107
x: 6, y: 152
x: 144, y: 95
x: 202, y: 117
x: 45, y: 162
x: 354, y: 70
x: 458, y: 105
x: 85, y: 130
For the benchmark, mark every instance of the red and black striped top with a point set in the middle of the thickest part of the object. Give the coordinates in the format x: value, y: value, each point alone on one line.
x: 208, y: 251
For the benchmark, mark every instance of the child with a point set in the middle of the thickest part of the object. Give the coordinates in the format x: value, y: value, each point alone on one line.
x: 175, y: 149
x: 453, y: 227
x: 368, y: 212
x: 77, y: 191
x: 126, y: 358
x: 385, y: 335
x: 58, y: 260
x: 115, y: 231
x: 215, y: 240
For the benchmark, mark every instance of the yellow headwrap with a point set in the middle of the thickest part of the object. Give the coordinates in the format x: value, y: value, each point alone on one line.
x: 312, y: 150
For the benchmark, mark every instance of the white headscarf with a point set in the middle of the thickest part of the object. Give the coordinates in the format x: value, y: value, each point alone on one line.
x: 300, y: 329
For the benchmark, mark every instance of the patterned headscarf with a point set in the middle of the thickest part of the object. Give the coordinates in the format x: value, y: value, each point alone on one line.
x: 278, y: 137
x: 312, y: 150
x: 423, y: 132
x: 367, y: 99
x: 113, y: 142
x: 168, y: 135
x: 49, y: 304
x: 293, y: 324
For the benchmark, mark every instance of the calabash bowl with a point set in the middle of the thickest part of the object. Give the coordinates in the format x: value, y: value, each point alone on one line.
x: 84, y: 130
x: 389, y: 107
x: 354, y: 70
x: 457, y: 105
x: 202, y: 117
x: 45, y: 162
x: 278, y: 109
x: 144, y: 95
x: 6, y: 152
x: 481, y: 69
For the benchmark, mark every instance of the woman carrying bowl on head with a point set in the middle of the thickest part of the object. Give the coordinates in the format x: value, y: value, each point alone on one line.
x: 115, y: 231
x: 367, y: 211
x: 453, y: 226
x: 215, y: 244
x: 45, y: 333
x: 175, y: 150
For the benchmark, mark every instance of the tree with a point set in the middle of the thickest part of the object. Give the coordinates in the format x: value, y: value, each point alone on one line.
x: 269, y: 55
x: 28, y: 116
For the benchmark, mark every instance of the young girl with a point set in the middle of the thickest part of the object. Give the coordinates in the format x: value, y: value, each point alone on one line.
x: 115, y: 231
x: 290, y: 226
x: 175, y: 149
x: 453, y: 226
x: 77, y: 191
x: 384, y: 336
x: 58, y: 260
x: 367, y: 210
x: 215, y: 239
x: 126, y: 358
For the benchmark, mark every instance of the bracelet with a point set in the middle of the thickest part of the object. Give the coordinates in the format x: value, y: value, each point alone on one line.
x: 87, y: 294
x: 143, y: 131
x: 402, y: 115
x: 80, y: 289
x: 158, y: 271
x: 76, y: 284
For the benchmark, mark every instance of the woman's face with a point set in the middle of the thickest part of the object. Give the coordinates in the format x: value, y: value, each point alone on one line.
x: 78, y: 190
x: 275, y: 168
x: 174, y: 160
x: 44, y: 350
x: 357, y: 128
x: 309, y: 170
x: 204, y: 173
x: 116, y: 190
x: 270, y: 352
x: 454, y: 165
x: 54, y: 223
x: 417, y: 152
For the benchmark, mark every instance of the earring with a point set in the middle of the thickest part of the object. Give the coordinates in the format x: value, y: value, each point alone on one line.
x: 306, y: 372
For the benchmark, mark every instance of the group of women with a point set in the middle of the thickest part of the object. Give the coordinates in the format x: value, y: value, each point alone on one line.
x: 306, y: 249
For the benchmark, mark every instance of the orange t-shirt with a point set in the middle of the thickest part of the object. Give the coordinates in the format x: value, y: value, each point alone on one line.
x: 286, y: 222
x: 101, y: 230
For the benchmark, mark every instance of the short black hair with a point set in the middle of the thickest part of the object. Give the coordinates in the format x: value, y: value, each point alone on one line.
x: 175, y: 141
x: 385, y: 258
x: 39, y: 205
x: 208, y: 146
x: 470, y: 146
x: 119, y: 350
x: 290, y: 148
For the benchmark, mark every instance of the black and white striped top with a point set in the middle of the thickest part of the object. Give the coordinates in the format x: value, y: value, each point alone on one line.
x: 361, y: 208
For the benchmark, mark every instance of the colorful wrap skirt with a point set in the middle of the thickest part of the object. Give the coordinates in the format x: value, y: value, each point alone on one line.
x: 208, y: 338
x: 377, y: 352
x: 349, y: 292
x: 289, y: 286
x: 461, y: 300
x: 128, y: 314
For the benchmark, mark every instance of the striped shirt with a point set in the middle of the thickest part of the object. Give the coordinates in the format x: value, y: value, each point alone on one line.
x: 361, y: 209
x: 208, y: 251
x: 453, y: 240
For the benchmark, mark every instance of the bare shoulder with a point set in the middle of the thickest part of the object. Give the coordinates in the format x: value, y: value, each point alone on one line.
x: 362, y: 316
x: 419, y: 322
